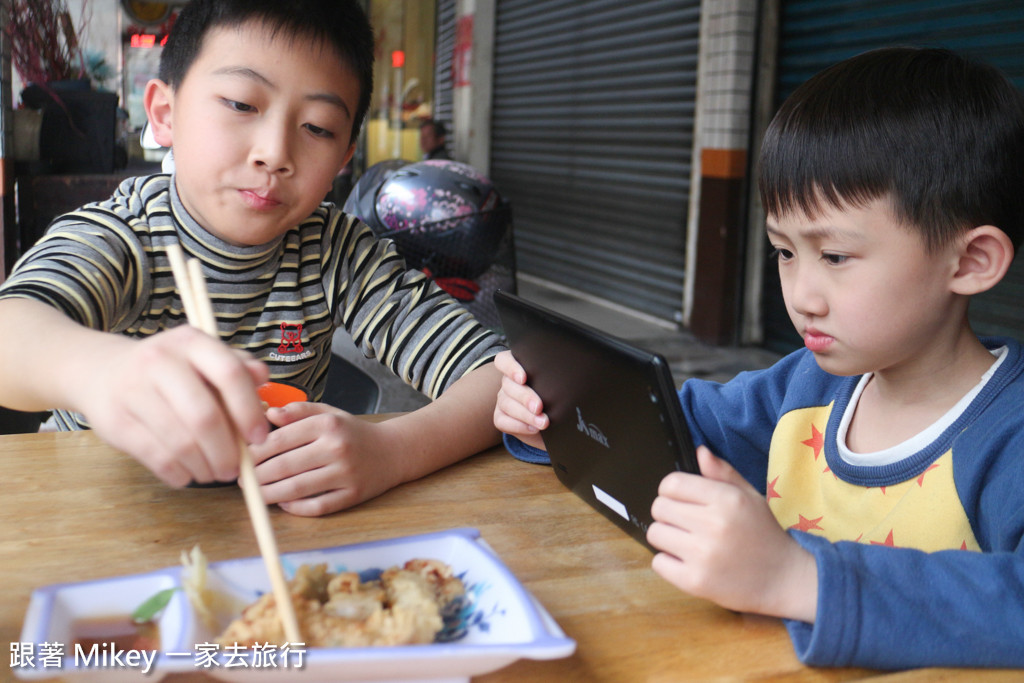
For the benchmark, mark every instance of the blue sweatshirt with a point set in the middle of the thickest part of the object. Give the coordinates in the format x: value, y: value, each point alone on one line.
x: 920, y: 561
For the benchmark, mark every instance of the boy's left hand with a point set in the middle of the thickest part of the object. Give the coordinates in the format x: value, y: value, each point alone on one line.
x: 321, y: 460
x: 721, y: 542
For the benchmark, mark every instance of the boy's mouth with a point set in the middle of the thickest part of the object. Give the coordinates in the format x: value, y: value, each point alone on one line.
x: 259, y: 200
x: 816, y: 341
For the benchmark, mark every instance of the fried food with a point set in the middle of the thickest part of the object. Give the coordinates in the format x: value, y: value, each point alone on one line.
x: 403, y: 607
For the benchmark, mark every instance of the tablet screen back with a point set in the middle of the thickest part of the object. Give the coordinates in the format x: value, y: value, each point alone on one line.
x: 616, y: 425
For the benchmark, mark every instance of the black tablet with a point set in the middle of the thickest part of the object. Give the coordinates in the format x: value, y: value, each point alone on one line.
x: 617, y: 427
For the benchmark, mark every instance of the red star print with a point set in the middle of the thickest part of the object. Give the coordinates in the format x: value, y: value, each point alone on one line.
x: 888, y: 541
x: 817, y: 441
x: 807, y: 524
x: 920, y: 480
x: 963, y: 546
x: 772, y: 493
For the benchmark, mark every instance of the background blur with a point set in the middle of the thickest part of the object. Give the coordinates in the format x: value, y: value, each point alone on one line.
x: 622, y: 133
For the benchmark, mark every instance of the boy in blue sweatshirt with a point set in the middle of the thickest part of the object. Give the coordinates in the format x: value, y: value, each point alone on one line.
x: 869, y: 488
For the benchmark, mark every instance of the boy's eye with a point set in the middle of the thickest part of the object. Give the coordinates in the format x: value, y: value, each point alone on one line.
x: 318, y: 131
x: 834, y: 259
x: 781, y: 254
x: 239, y: 106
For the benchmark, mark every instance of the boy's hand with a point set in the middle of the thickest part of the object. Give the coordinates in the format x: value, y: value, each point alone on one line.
x: 322, y: 459
x: 174, y: 402
x: 518, y: 410
x: 721, y: 542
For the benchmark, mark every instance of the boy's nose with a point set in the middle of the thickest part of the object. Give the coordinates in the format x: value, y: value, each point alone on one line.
x: 272, y: 151
x: 803, y: 292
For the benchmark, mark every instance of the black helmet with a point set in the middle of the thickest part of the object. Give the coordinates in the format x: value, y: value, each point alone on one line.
x: 363, y: 196
x: 445, y: 217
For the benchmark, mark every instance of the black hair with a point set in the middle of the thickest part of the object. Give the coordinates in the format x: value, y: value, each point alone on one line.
x: 341, y: 24
x: 942, y: 137
x: 437, y: 126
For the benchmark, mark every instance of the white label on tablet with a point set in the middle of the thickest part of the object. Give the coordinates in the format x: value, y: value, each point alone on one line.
x: 615, y: 505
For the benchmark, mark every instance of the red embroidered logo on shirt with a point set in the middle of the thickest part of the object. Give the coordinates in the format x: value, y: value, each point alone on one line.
x: 291, y: 339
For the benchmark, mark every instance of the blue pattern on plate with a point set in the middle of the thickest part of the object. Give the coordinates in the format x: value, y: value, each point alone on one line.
x: 463, y: 614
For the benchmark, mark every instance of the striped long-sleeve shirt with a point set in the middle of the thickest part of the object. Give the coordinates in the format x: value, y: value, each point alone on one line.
x: 105, y: 266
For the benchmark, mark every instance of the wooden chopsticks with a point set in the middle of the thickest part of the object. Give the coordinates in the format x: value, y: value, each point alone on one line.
x: 196, y: 300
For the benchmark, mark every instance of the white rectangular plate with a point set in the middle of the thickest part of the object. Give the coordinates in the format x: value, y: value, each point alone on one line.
x: 499, y: 622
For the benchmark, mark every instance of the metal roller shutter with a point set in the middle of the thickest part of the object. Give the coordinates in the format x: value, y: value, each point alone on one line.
x: 817, y: 33
x: 443, y: 47
x: 592, y: 134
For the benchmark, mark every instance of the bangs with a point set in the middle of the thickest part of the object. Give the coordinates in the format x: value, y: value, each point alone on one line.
x: 833, y: 144
x: 808, y: 171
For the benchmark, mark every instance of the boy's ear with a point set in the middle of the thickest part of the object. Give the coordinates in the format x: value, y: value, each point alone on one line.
x: 344, y: 163
x: 984, y: 255
x: 158, y: 99
x: 348, y: 156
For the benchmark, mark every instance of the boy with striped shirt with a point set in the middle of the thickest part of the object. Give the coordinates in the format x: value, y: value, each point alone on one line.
x: 261, y: 103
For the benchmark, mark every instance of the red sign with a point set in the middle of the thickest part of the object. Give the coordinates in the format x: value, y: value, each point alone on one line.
x: 463, y: 51
x: 143, y: 40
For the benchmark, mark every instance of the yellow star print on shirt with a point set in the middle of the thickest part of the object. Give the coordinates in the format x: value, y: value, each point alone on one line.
x: 923, y: 512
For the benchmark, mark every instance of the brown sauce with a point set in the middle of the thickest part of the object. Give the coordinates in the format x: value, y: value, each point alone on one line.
x: 120, y: 630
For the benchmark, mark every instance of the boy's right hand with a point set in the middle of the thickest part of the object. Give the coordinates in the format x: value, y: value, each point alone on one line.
x: 717, y: 539
x: 175, y: 402
x: 518, y: 411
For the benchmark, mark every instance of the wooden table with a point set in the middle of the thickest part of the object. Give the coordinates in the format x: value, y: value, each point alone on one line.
x: 73, y: 509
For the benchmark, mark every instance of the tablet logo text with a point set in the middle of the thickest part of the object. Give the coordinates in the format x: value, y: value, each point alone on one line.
x: 590, y: 430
